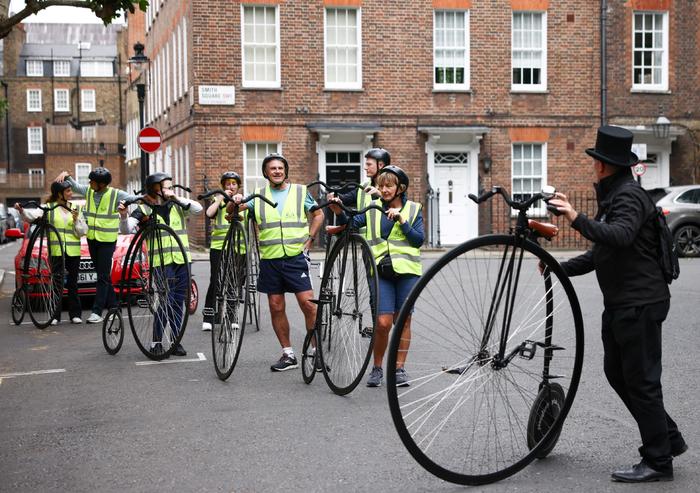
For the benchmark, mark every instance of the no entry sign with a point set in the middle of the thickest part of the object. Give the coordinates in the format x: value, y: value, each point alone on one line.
x: 149, y: 139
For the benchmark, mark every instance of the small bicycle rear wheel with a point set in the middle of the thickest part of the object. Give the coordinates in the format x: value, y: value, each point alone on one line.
x: 346, y: 314
x: 43, y: 275
x: 494, y: 360
x: 113, y: 331
x: 158, y: 290
x: 19, y: 305
x: 309, y: 357
x: 227, y: 331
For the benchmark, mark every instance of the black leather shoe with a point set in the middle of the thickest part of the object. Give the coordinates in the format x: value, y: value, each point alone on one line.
x: 179, y: 351
x: 641, y: 473
x: 676, y: 451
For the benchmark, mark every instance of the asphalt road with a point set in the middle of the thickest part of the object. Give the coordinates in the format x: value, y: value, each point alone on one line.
x: 106, y: 423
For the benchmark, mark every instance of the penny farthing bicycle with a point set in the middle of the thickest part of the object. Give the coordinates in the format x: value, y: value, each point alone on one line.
x: 495, y: 355
x: 152, y: 288
x: 234, y: 303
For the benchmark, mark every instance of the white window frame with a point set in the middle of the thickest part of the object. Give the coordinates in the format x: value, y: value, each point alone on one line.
x: 258, y: 162
x: 30, y: 108
x: 84, y: 107
x: 534, y: 211
x: 542, y: 86
x: 82, y: 171
x: 56, y: 106
x: 37, y: 68
x: 358, y: 45
x: 94, y: 72
x: 88, y: 133
x: 663, y: 86
x: 35, y: 150
x: 467, y: 53
x: 276, y: 84
x: 32, y: 172
x: 185, y: 69
x: 61, y: 63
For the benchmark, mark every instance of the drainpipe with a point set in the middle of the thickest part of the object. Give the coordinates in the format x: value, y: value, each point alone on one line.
x: 53, y: 93
x: 7, y: 126
x: 119, y: 90
x: 603, y: 62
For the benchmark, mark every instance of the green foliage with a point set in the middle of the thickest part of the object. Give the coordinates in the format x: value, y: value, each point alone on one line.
x: 108, y: 10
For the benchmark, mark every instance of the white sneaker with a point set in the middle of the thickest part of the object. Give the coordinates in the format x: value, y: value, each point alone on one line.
x: 54, y: 322
x: 206, y: 327
x: 76, y: 320
x: 94, y: 318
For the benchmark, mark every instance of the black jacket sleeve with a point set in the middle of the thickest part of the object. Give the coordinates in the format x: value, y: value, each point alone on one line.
x: 577, y: 266
x: 628, y: 214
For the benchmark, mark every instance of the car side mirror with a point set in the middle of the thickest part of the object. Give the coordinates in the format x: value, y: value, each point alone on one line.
x: 14, y: 233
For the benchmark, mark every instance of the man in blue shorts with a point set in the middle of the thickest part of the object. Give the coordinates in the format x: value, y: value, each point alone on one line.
x: 285, y: 239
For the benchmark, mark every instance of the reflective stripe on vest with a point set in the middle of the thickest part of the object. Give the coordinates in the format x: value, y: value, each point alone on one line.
x: 404, y: 258
x: 102, y: 221
x: 169, y: 248
x: 282, y: 236
x: 220, y: 229
x: 71, y: 242
x: 363, y: 200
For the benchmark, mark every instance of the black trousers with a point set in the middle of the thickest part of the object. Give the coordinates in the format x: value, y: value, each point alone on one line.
x: 632, y: 363
x: 210, y: 300
x: 101, y: 253
x: 71, y: 266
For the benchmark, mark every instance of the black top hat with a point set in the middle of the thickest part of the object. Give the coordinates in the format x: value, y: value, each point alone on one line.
x: 613, y: 145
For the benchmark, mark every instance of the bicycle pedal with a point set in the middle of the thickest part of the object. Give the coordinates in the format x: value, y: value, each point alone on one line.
x: 142, y: 303
x: 528, y: 350
x: 366, y: 331
x: 208, y: 312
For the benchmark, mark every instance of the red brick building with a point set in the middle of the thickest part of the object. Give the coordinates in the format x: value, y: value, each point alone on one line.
x: 464, y: 94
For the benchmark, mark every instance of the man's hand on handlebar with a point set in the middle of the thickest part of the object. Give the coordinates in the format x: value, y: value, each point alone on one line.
x: 561, y: 202
x: 122, y: 209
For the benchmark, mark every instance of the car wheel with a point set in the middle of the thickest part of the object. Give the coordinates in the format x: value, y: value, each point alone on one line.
x: 687, y: 240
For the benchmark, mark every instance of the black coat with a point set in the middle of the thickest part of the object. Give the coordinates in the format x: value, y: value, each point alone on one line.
x: 625, y: 248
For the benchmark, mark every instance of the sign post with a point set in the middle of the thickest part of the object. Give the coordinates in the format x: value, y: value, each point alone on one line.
x: 639, y: 169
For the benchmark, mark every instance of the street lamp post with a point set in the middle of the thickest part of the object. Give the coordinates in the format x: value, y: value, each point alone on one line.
x: 138, y: 62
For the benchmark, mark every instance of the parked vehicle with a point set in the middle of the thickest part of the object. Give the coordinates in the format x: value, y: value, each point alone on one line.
x: 14, y: 219
x: 4, y: 226
x: 681, y: 205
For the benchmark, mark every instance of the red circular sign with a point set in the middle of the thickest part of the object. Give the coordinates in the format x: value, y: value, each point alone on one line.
x: 639, y: 169
x: 149, y: 139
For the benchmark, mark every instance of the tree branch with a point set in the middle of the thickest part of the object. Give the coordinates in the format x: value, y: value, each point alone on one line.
x: 32, y: 7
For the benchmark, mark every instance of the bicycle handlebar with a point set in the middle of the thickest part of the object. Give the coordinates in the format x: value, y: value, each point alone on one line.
x: 227, y: 199
x: 142, y: 198
x: 520, y: 206
x: 33, y: 204
x: 348, y: 210
x: 181, y: 187
x: 343, y: 188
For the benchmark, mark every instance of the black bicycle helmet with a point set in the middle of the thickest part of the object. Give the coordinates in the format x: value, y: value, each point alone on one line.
x: 58, y: 187
x: 400, y: 174
x: 230, y: 175
x: 379, y: 154
x: 278, y: 157
x: 100, y: 175
x: 157, y: 177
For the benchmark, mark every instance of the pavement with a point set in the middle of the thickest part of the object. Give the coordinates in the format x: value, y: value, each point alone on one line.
x: 73, y: 418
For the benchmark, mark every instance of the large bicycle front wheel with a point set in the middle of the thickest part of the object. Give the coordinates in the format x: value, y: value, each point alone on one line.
x: 158, y: 290
x: 227, y: 331
x: 43, y: 275
x: 251, y: 316
x: 493, y: 356
x: 346, y: 315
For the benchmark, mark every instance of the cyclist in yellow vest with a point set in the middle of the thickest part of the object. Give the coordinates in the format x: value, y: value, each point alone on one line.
x: 230, y: 183
x: 285, y: 238
x: 395, y: 238
x: 71, y: 226
x: 161, y: 201
x: 103, y: 227
x: 375, y: 160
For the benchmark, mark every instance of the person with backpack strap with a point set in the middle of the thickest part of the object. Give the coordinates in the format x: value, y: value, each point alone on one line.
x: 625, y: 256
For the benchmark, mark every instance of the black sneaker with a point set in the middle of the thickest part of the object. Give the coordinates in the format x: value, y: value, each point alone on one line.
x: 179, y: 351
x: 285, y: 363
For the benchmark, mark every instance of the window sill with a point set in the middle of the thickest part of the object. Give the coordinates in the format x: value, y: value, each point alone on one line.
x: 437, y: 90
x: 526, y: 91
x: 639, y: 90
x: 343, y: 89
x: 253, y: 88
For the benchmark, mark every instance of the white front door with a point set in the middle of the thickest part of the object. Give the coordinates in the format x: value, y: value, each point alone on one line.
x: 656, y: 175
x: 458, y: 214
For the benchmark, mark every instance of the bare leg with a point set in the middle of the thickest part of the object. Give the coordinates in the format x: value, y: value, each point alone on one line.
x: 381, y: 337
x: 308, y: 308
x: 280, y: 323
x: 404, y: 344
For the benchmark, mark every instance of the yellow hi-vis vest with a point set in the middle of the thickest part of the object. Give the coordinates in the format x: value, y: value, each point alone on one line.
x: 282, y: 235
x: 66, y: 235
x: 103, y: 222
x: 171, y: 250
x: 363, y: 200
x: 220, y: 228
x: 404, y: 258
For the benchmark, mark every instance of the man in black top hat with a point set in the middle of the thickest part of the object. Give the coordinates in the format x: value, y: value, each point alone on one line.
x: 636, y: 298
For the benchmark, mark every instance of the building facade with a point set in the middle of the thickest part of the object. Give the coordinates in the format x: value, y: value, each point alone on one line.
x: 465, y: 94
x: 65, y: 105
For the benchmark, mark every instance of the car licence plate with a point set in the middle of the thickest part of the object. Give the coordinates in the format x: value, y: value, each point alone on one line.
x: 86, y: 277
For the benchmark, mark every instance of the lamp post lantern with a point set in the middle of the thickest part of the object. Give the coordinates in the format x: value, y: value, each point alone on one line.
x: 139, y: 63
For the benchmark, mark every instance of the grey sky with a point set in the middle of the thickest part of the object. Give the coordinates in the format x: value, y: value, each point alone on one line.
x: 58, y: 14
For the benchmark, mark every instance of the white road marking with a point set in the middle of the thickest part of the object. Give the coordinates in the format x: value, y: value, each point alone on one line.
x: 28, y: 373
x: 200, y: 357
